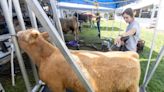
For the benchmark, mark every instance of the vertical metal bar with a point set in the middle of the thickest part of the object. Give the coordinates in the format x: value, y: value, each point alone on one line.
x: 35, y: 73
x: 41, y: 15
x: 32, y: 18
x: 56, y: 18
x: 140, y: 13
x: 153, y: 11
x: 10, y: 7
x: 61, y: 13
x: 34, y: 24
x: 12, y: 48
x: 12, y: 65
x: 150, y: 55
x: 160, y: 55
x: 12, y: 32
x: 152, y: 47
x: 19, y: 14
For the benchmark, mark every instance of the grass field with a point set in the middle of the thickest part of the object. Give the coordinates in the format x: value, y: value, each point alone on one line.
x: 89, y: 35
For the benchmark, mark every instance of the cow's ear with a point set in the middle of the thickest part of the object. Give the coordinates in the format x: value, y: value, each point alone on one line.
x: 32, y: 37
x: 45, y: 35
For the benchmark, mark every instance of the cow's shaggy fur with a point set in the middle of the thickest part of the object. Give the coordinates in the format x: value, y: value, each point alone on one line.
x: 106, y: 71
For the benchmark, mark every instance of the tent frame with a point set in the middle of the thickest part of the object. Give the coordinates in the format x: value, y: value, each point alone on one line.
x: 149, y: 72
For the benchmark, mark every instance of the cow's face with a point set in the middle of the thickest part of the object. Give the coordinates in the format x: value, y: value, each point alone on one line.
x: 29, y: 38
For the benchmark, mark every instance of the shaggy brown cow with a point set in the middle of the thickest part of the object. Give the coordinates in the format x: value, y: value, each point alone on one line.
x: 70, y: 24
x: 106, y: 71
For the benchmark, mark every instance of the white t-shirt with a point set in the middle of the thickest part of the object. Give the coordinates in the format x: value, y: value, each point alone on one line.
x: 131, y: 43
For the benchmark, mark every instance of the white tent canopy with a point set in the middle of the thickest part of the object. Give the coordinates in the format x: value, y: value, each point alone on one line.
x: 139, y: 4
x: 81, y: 6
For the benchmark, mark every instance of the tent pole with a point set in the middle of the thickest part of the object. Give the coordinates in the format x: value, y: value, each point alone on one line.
x: 152, y: 46
x: 12, y: 49
x: 150, y: 55
x: 34, y: 24
x: 10, y: 8
x: 12, y: 64
x: 149, y: 77
x: 153, y: 11
x: 19, y: 14
x: 32, y: 18
x: 56, y: 18
x: 140, y: 13
x: 160, y: 55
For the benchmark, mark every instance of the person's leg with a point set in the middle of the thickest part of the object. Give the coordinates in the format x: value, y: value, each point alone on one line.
x: 98, y: 27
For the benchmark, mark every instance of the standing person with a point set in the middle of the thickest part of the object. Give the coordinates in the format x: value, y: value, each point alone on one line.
x: 132, y: 33
x: 98, y: 19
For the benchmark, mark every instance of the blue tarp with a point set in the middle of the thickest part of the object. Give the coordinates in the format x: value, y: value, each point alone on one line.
x: 103, y: 3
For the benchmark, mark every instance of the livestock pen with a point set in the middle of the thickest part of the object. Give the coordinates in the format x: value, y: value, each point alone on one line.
x: 89, y: 35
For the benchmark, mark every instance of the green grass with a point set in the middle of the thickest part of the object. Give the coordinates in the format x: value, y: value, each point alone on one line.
x: 89, y: 35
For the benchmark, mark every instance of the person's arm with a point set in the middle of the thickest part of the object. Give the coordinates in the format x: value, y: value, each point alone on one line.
x: 125, y: 35
x: 129, y: 33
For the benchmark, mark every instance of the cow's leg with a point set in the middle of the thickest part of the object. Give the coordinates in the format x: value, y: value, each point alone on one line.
x: 76, y: 34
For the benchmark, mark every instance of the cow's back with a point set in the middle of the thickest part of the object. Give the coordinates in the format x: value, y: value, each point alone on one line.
x: 119, y: 70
